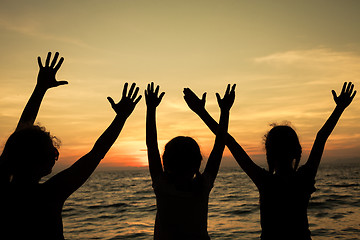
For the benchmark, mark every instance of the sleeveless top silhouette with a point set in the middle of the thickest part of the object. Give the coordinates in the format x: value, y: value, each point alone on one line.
x: 30, y: 212
x: 181, y: 213
x: 283, y: 205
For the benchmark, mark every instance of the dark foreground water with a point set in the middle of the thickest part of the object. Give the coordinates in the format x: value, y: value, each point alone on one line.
x: 121, y: 205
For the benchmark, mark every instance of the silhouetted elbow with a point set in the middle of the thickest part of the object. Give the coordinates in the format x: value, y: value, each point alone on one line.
x: 97, y: 153
x: 322, y: 135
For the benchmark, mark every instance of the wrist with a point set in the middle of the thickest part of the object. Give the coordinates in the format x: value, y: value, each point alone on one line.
x: 200, y: 111
x: 40, y: 89
x: 151, y: 108
x: 224, y: 111
x: 121, y: 116
x: 340, y: 107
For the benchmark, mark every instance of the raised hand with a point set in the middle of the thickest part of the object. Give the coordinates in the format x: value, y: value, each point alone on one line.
x: 346, y: 96
x: 151, y: 96
x: 227, y: 101
x: 46, y: 77
x: 194, y: 102
x: 342, y: 101
x: 127, y: 102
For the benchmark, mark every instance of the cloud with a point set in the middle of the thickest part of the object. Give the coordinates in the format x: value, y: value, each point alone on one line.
x: 318, y: 55
x: 31, y: 28
x: 308, y: 74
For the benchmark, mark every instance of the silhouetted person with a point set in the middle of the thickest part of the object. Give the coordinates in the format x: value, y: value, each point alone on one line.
x: 182, y: 192
x: 284, y: 189
x: 32, y: 210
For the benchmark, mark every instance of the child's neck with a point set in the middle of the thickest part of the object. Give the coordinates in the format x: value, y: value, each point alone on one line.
x: 285, y: 171
x: 182, y: 182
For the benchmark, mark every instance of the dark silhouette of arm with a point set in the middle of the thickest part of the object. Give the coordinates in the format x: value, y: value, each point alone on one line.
x: 214, y: 160
x: 69, y: 180
x: 152, y: 101
x: 342, y: 101
x: 45, y: 80
x: 198, y: 106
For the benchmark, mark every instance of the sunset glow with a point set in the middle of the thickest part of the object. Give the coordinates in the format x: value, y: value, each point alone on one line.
x: 284, y: 56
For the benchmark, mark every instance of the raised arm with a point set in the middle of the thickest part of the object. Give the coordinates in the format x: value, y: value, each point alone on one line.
x: 342, y: 101
x: 198, y: 106
x: 214, y: 160
x: 152, y: 101
x: 69, y: 180
x: 45, y: 80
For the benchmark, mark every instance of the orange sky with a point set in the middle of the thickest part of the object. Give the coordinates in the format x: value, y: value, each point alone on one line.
x: 285, y: 58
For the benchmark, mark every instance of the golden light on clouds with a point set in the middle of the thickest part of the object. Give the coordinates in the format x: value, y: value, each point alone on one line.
x: 284, y: 57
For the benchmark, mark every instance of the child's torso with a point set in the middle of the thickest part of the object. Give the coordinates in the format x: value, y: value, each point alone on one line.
x: 181, y: 214
x: 31, y: 213
x: 283, y: 206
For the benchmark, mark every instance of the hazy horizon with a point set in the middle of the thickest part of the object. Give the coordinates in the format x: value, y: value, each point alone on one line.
x: 285, y: 58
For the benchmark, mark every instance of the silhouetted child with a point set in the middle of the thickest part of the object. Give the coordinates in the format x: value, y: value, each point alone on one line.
x: 30, y: 210
x: 284, y: 189
x: 182, y: 192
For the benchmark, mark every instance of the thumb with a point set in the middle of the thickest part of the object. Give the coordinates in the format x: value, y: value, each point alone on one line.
x: 111, y: 101
x: 39, y: 62
x: 203, y: 99
x: 218, y: 97
x: 334, y: 94
x: 62, y: 83
x: 161, y: 96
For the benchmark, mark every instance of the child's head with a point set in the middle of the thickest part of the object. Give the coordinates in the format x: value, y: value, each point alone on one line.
x: 182, y: 156
x: 283, y: 148
x: 30, y: 152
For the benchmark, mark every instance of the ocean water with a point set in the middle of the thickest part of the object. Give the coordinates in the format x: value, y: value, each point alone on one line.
x: 121, y: 205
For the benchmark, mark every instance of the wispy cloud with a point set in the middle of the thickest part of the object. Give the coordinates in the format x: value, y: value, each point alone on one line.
x: 32, y: 29
x: 312, y: 57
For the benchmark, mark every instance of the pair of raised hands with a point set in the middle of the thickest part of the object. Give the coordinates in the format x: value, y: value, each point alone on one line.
x: 46, y: 79
x: 344, y: 99
x: 153, y: 98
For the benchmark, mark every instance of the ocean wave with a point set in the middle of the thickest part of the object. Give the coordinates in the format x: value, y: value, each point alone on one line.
x: 114, y: 205
x: 345, y: 185
x: 122, y: 205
